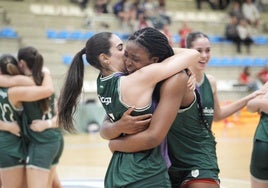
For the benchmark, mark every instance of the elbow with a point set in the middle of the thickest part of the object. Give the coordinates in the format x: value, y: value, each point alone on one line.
x: 153, y: 141
x: 196, y: 55
x: 50, y: 91
x: 103, y: 135
x: 217, y: 118
x: 251, y: 108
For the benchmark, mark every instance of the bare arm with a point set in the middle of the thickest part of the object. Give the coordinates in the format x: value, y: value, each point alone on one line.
x: 172, y: 92
x: 221, y: 112
x: 39, y: 125
x: 18, y: 80
x: 32, y: 93
x: 144, y: 80
x: 260, y: 103
x: 126, y: 125
x: 11, y: 127
x: 155, y: 72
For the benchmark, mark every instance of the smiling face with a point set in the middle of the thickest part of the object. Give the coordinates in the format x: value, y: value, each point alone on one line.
x: 202, y: 45
x: 137, y: 57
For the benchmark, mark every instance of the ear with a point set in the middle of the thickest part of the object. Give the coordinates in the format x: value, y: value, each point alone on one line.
x: 104, y: 59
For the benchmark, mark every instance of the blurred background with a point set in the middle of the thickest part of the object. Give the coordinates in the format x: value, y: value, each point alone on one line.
x: 60, y: 28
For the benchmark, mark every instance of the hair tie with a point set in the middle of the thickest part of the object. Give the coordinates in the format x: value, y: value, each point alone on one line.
x: 83, y: 51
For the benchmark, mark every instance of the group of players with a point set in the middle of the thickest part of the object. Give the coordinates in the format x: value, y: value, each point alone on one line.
x: 160, y: 106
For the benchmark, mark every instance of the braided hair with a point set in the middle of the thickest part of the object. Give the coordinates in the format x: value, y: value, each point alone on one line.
x: 156, y: 44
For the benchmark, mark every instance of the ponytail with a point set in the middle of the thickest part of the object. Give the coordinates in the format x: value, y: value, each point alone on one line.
x: 70, y: 92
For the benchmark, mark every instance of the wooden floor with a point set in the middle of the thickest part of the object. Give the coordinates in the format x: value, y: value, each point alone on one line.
x: 86, y: 156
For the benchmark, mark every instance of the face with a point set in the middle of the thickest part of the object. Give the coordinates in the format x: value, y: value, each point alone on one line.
x: 202, y: 45
x: 117, y: 53
x: 136, y: 57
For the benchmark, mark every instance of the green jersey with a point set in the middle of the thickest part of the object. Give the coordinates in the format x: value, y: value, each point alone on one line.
x: 32, y: 111
x: 191, y: 144
x: 10, y: 144
x: 207, y: 100
x: 129, y: 169
x: 261, y: 132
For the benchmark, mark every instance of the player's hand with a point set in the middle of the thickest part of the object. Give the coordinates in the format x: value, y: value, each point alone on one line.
x: 134, y: 124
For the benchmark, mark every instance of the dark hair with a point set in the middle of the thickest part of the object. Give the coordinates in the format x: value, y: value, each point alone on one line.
x: 155, y: 42
x: 34, y: 61
x: 191, y: 37
x: 157, y: 45
x: 9, y: 65
x: 71, y: 90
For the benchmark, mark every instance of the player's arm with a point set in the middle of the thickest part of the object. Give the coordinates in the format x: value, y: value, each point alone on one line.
x: 18, y: 80
x: 126, y: 125
x: 39, y: 125
x: 171, y: 95
x: 11, y: 127
x: 32, y: 93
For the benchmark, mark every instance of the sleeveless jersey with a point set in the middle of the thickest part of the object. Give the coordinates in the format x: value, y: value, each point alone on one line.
x: 261, y: 132
x: 9, y: 143
x: 127, y: 168
x: 191, y: 145
x: 207, y: 100
x: 32, y: 111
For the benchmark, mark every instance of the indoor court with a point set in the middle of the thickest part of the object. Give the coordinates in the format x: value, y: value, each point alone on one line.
x: 86, y: 156
x: 61, y: 28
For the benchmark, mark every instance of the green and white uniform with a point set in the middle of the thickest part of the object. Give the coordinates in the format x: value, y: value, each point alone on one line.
x: 140, y: 169
x: 191, y: 144
x: 11, y: 147
x: 43, y: 146
x: 259, y: 156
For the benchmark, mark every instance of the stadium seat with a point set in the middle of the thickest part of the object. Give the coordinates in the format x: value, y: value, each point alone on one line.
x: 226, y: 61
x: 247, y: 61
x: 258, y: 62
x: 260, y: 40
x: 67, y: 59
x: 76, y: 35
x: 8, y: 32
x: 215, y: 61
x: 88, y: 34
x: 51, y: 34
x: 63, y: 34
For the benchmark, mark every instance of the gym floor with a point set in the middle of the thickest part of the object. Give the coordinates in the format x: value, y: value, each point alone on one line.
x: 86, y: 156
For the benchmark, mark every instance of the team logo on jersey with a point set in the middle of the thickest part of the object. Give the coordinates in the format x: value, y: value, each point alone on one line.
x: 105, y: 100
x: 195, y: 173
x: 208, y: 111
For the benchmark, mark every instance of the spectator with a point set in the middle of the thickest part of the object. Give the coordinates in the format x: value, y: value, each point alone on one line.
x: 236, y: 11
x: 82, y: 3
x: 100, y: 6
x: 246, y: 79
x: 166, y: 31
x: 244, y: 32
x: 211, y: 4
x: 251, y: 13
x: 231, y: 33
x: 142, y: 22
x: 263, y: 75
x: 223, y: 4
x: 183, y: 32
x: 123, y: 11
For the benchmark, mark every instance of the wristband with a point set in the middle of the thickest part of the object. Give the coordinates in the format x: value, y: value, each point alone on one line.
x: 49, y: 123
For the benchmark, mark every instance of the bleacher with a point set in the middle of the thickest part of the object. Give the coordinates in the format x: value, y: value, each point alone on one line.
x: 60, y: 30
